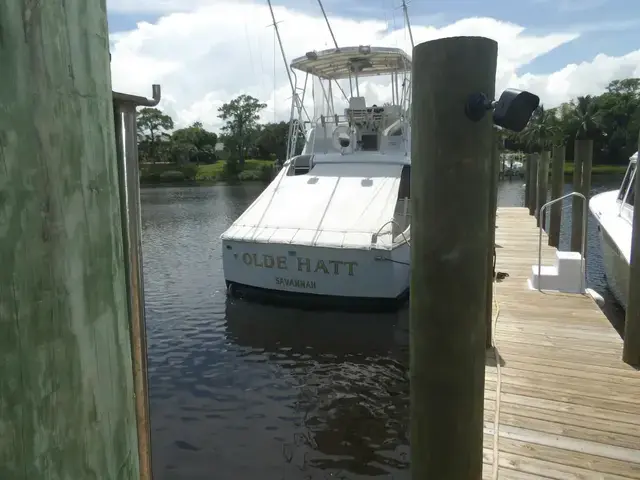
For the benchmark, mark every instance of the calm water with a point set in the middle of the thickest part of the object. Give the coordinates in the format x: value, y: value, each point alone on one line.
x: 241, y: 391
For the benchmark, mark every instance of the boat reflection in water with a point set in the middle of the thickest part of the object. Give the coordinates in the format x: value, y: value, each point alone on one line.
x: 350, y: 371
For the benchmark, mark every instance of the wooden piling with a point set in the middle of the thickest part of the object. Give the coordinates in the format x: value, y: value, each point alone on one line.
x: 543, y: 186
x: 533, y: 178
x: 527, y: 180
x: 451, y: 184
x: 587, y: 161
x: 66, y: 389
x: 631, y: 347
x: 577, y: 204
x: 557, y: 189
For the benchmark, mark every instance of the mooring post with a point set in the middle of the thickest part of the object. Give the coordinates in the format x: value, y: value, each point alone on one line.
x: 543, y: 186
x: 587, y: 161
x: 451, y: 180
x: 577, y: 204
x: 493, y: 210
x: 533, y: 178
x: 67, y: 391
x: 527, y: 180
x: 631, y: 348
x: 557, y: 189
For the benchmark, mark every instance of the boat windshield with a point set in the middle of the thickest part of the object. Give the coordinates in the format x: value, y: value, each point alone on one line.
x: 626, y: 192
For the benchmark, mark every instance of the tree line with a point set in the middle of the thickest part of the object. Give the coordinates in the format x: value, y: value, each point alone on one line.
x: 241, y: 137
x: 610, y: 121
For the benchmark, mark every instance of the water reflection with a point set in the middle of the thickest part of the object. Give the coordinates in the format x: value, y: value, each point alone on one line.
x: 241, y: 390
x: 350, y: 372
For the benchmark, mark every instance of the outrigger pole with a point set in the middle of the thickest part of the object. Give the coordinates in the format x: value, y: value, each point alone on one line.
x: 284, y: 57
x: 406, y: 19
x: 335, y: 43
x: 296, y: 103
x: 328, y: 25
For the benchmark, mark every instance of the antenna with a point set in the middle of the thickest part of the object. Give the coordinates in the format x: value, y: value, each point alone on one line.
x: 328, y: 25
x: 284, y: 57
x: 274, y: 76
x: 406, y: 18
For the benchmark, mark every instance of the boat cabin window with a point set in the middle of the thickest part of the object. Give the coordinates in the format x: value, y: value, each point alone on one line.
x: 627, y: 182
x: 300, y: 165
x: 369, y: 142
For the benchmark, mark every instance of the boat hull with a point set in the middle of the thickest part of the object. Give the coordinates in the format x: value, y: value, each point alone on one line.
x: 616, y: 267
x: 291, y: 272
x: 606, y: 210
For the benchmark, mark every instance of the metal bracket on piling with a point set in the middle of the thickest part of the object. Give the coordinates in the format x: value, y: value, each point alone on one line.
x: 137, y: 100
x: 126, y: 133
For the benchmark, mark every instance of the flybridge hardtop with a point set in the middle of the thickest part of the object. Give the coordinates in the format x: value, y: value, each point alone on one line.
x: 348, y: 62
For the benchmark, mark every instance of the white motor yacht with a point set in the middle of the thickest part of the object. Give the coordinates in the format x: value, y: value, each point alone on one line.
x: 614, y: 212
x: 335, y: 222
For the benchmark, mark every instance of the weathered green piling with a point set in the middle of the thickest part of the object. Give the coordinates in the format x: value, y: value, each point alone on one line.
x: 631, y: 348
x: 557, y: 188
x: 66, y: 389
x: 450, y: 235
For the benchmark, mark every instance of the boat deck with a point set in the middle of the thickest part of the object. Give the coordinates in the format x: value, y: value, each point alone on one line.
x: 562, y: 401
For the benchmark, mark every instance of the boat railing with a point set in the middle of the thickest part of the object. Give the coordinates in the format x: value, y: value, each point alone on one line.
x: 583, y: 247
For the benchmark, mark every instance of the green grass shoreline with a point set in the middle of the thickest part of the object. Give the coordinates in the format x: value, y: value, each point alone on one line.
x: 157, y: 174
x: 598, y: 169
x: 164, y: 175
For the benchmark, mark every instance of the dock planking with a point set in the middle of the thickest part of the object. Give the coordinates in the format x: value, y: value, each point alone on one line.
x: 562, y: 401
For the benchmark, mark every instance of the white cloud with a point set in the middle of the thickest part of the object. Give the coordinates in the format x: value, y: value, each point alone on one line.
x: 220, y: 49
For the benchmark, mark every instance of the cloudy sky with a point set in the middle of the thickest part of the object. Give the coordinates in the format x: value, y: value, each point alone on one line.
x: 205, y: 52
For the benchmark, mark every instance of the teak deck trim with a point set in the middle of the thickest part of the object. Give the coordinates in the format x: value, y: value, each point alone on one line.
x: 564, y: 403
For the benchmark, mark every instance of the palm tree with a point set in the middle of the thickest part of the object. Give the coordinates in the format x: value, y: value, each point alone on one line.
x: 542, y: 130
x: 585, y: 117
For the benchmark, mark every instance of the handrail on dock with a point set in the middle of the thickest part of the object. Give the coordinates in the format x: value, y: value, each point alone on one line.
x: 583, y: 261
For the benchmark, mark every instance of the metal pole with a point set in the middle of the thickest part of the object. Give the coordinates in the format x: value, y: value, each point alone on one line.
x: 129, y: 178
x: 284, y: 57
x: 328, y: 25
x: 406, y: 18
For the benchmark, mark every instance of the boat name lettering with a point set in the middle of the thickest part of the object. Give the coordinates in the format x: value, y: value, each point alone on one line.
x: 302, y: 264
x: 292, y: 282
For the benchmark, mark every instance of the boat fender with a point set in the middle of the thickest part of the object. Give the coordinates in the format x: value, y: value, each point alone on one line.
x: 231, y: 289
x: 599, y: 299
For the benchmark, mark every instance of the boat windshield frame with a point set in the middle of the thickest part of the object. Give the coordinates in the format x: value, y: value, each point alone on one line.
x: 626, y: 186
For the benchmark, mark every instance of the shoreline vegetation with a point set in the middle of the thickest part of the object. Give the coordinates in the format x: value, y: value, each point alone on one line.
x: 170, y: 174
x: 246, y: 150
x: 599, y: 169
x: 263, y: 171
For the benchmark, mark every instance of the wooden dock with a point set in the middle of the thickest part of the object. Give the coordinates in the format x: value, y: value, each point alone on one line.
x: 561, y: 400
